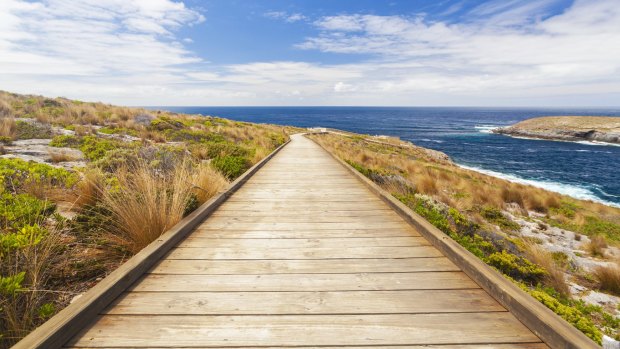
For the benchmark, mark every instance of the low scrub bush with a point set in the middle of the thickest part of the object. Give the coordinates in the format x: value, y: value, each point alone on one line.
x: 516, y: 267
x: 163, y: 123
x: 231, y: 166
x: 16, y: 173
x: 192, y: 136
x: 32, y: 130
x: 497, y: 217
x: 568, y: 311
x: 62, y: 141
x: 96, y: 148
x: 19, y: 209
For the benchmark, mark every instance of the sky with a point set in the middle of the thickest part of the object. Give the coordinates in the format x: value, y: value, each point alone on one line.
x: 314, y: 52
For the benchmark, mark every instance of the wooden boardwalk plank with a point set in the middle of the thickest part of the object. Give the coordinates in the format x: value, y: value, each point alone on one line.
x: 203, y: 242
x: 302, y: 234
x: 303, y: 266
x: 295, y: 330
x: 306, y: 282
x: 283, y: 303
x: 303, y: 253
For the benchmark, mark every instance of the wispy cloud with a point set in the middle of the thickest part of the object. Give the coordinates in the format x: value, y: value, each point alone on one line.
x: 507, y: 48
x: 285, y: 16
x: 76, y: 43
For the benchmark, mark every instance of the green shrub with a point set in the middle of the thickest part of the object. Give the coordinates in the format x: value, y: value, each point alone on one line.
x: 569, y: 313
x: 163, y: 123
x: 361, y: 169
x: 596, y: 226
x: 231, y: 166
x: 117, y: 130
x: 277, y: 139
x: 117, y: 158
x: 32, y: 130
x: 220, y: 149
x: 516, y: 267
x: 96, y: 148
x: 566, y: 209
x: 495, y: 216
x: 21, y: 209
x: 192, y: 136
x: 68, y: 141
x: 16, y: 172
x: 28, y: 235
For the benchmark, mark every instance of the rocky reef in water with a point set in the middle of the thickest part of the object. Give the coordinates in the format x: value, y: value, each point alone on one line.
x: 567, y: 128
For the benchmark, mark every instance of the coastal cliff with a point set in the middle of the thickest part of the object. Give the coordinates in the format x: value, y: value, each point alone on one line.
x: 567, y: 128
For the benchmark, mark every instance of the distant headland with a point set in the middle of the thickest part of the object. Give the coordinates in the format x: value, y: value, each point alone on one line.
x: 567, y: 128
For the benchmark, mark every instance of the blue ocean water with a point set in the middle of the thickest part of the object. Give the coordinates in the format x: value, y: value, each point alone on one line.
x: 585, y: 171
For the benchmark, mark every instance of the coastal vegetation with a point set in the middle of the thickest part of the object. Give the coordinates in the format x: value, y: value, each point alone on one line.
x: 555, y: 247
x: 84, y: 186
x: 567, y: 128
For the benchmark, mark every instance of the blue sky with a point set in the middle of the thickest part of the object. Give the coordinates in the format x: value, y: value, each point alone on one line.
x: 314, y: 52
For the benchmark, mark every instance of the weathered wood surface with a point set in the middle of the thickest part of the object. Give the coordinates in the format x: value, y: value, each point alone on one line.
x: 305, y: 255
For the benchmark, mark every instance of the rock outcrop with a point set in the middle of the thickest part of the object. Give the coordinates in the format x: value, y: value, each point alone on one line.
x: 567, y: 128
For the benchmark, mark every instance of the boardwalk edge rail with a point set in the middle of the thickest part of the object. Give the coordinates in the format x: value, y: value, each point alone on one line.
x: 544, y: 323
x: 68, y: 322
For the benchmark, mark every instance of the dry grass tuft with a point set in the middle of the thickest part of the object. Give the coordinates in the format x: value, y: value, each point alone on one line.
x: 597, y: 245
x: 608, y: 278
x: 57, y: 156
x: 90, y: 188
x: 511, y: 193
x: 147, y: 203
x: 8, y: 128
x: 6, y: 110
x: 208, y: 182
x: 555, y: 271
x: 426, y: 184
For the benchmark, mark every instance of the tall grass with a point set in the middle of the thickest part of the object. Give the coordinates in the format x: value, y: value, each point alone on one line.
x: 608, y: 278
x: 147, y: 202
x: 207, y: 182
x: 555, y: 271
x: 31, y: 305
x: 8, y: 128
x: 90, y: 188
x: 596, y: 246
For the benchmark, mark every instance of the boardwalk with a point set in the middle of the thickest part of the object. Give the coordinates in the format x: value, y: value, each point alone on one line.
x: 305, y: 255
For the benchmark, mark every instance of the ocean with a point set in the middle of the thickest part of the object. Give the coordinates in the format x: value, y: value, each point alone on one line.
x: 582, y: 170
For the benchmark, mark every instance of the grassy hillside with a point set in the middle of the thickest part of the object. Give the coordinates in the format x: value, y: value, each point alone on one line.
x: 557, y: 248
x: 83, y: 186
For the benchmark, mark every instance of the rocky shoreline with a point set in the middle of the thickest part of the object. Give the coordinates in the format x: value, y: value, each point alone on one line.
x: 567, y: 128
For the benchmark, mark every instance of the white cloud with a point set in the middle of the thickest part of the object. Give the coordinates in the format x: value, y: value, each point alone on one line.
x: 287, y: 17
x: 506, y: 53
x: 342, y: 87
x: 508, y: 50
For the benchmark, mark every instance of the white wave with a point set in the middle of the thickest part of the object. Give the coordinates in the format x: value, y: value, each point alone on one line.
x: 565, y: 140
x: 597, y: 143
x: 566, y: 189
x: 431, y: 140
x: 486, y: 128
